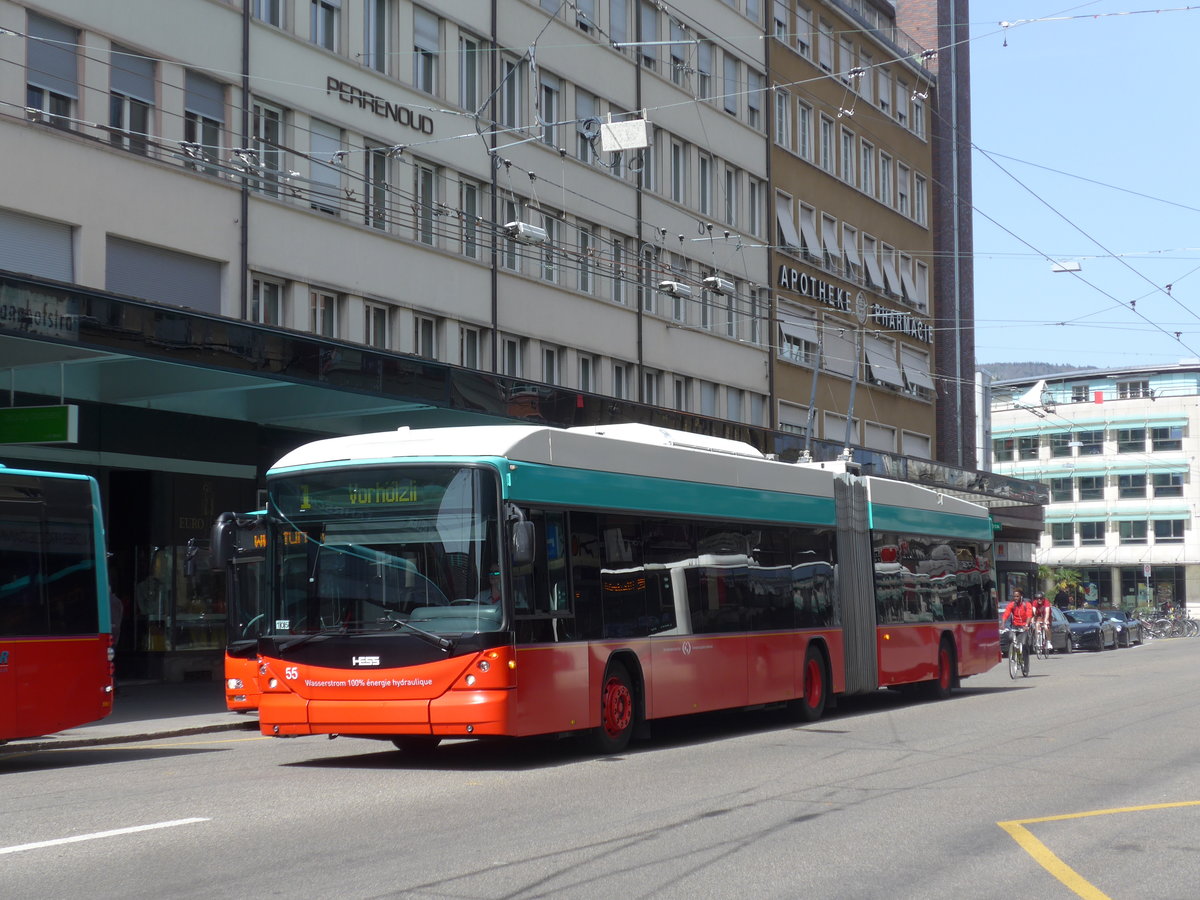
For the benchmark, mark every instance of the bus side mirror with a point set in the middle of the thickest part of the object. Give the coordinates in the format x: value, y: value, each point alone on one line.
x: 224, y: 540
x: 522, y: 543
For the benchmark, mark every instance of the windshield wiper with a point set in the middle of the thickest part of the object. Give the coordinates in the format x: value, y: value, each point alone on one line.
x: 304, y: 639
x: 437, y: 640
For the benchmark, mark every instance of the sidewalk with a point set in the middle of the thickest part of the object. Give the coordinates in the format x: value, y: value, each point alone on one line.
x: 145, y: 711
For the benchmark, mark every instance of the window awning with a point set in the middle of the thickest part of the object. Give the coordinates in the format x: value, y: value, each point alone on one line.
x: 787, y: 227
x: 916, y: 369
x: 910, y: 287
x: 893, y: 280
x: 799, y: 330
x: 851, y: 251
x: 874, y: 273
x: 830, y: 242
x: 881, y: 357
x: 808, y: 230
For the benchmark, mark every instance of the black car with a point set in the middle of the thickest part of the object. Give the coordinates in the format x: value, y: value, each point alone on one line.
x: 1129, y: 629
x: 1090, y: 630
x: 1060, y: 631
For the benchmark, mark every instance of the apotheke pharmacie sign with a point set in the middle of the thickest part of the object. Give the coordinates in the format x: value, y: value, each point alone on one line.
x: 848, y: 301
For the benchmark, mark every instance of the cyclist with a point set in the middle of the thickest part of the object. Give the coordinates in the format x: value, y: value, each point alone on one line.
x: 1041, y: 618
x: 1020, y: 612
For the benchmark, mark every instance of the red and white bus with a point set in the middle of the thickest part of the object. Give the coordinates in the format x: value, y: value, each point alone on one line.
x: 56, y: 653
x: 523, y: 580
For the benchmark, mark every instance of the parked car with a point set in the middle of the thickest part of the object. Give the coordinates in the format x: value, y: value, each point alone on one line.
x: 1060, y: 631
x: 1129, y: 629
x: 1090, y: 630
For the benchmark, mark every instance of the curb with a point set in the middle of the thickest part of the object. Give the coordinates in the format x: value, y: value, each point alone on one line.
x: 73, y: 742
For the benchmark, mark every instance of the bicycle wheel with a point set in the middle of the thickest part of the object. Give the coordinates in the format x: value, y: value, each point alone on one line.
x: 1040, y: 643
x: 1014, y: 662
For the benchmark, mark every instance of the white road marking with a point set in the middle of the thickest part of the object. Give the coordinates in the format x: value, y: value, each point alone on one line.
x: 99, y: 834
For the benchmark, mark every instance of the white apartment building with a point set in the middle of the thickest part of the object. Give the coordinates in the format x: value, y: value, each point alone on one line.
x: 351, y: 168
x: 1117, y: 449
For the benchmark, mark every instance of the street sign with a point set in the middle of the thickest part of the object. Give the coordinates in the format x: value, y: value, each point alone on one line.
x: 40, y: 424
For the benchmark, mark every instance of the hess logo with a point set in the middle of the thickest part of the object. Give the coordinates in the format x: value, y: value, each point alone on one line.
x: 364, y: 660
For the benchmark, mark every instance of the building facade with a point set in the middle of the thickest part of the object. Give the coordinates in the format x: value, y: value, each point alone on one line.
x: 1116, y: 450
x: 240, y: 224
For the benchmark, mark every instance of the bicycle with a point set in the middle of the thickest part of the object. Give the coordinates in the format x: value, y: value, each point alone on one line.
x: 1017, y: 660
x: 1040, y: 644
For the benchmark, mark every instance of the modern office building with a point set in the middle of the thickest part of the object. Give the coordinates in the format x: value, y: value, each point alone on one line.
x: 1116, y: 449
x: 228, y: 226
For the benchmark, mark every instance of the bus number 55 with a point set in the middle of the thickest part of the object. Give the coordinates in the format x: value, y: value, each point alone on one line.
x: 291, y: 673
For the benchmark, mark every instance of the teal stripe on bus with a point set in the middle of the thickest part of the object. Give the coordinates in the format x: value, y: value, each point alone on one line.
x: 927, y: 521
x: 536, y: 483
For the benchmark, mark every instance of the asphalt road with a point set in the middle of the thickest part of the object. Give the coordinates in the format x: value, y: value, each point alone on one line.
x: 884, y: 798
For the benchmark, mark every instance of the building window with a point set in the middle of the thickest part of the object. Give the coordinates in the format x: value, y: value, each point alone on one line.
x: 618, y: 22
x: 375, y: 198
x: 705, y: 183
x: 618, y: 270
x: 203, y: 118
x: 588, y: 370
x: 734, y: 404
x: 1166, y: 439
x: 754, y: 95
x: 1091, y: 443
x: 131, y: 97
x: 867, y: 169
x: 1060, y: 444
x: 649, y: 46
x: 825, y: 45
x: 1132, y: 532
x: 267, y: 145
x: 587, y: 119
x: 468, y: 205
x: 425, y: 337
x: 804, y: 31
x: 1062, y: 534
x: 1061, y: 490
x: 1131, y: 440
x: 650, y: 381
x: 425, y: 187
x: 732, y: 87
x: 325, y: 170
x: 472, y: 63
x: 324, y: 17
x: 680, y: 46
x: 512, y: 93
x: 269, y: 11
x: 470, y: 347
x: 586, y: 247
x: 52, y: 73
x: 512, y: 357
x: 1027, y: 448
x: 903, y: 189
x: 826, y: 159
x: 704, y: 70
x: 427, y: 46
x: 376, y: 324
x: 550, y: 365
x: 510, y: 257
x: 679, y: 155
x: 324, y: 313
x: 919, y: 200
x: 1167, y: 484
x: 266, y: 302
x: 1169, y: 531
x: 1091, y: 487
x: 375, y: 38
x: 783, y: 120
x: 885, y: 195
x: 550, y: 107
x: 849, y: 169
x: 620, y: 381
x: 804, y: 130
x: 1131, y: 487
x: 756, y: 192
x: 732, y: 201
x: 1003, y: 449
x: 1133, y: 390
x: 1091, y: 534
x: 550, y: 248
x: 1079, y: 393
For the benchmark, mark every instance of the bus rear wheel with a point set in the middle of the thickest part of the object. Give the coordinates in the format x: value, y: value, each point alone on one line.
x: 943, y: 685
x: 616, y: 711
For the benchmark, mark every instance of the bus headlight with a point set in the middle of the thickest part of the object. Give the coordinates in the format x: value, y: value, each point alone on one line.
x: 484, y: 665
x: 470, y: 679
x: 235, y: 684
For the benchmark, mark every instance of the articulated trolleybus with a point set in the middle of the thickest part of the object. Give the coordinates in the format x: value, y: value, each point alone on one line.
x: 522, y: 580
x: 56, y: 668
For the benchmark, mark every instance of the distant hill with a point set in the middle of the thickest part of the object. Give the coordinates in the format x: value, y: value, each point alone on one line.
x: 1005, y: 371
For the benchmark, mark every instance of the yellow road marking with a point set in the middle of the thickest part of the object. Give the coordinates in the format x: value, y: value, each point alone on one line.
x: 1051, y: 863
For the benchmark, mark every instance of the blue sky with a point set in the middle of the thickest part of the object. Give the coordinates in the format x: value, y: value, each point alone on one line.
x: 1086, y: 129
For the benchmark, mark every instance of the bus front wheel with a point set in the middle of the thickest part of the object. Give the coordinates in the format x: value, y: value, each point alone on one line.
x: 416, y: 745
x: 616, y: 711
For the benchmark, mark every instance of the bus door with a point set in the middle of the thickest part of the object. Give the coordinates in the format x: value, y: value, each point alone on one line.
x: 242, y: 546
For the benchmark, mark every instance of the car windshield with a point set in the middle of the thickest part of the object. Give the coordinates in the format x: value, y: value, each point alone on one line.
x: 1117, y: 614
x: 1085, y: 616
x: 377, y: 549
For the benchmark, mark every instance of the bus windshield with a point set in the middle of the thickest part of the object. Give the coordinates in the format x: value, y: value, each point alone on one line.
x: 405, y: 549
